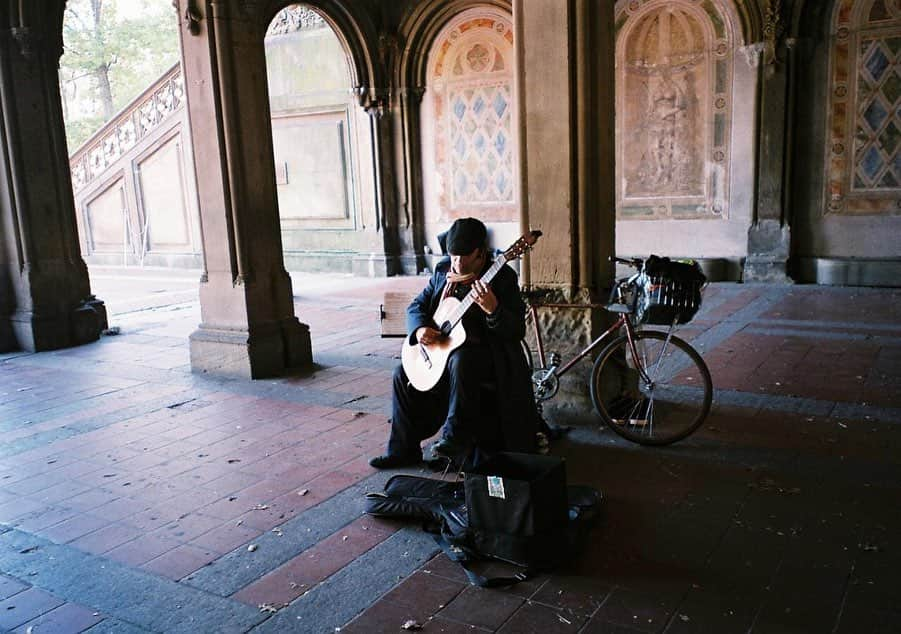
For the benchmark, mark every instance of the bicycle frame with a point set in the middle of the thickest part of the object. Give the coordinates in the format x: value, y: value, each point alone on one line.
x: 622, y: 321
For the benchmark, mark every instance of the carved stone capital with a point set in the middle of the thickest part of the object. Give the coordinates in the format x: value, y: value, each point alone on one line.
x: 192, y: 18
x: 412, y: 94
x: 294, y: 18
x: 752, y: 53
x: 773, y: 30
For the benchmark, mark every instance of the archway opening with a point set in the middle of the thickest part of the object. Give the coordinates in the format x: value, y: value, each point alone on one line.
x: 126, y: 125
x: 322, y: 150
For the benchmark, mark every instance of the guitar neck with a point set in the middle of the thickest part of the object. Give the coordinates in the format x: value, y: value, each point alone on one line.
x: 468, y: 301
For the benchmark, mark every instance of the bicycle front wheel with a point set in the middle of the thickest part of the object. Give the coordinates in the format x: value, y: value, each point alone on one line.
x: 655, y: 394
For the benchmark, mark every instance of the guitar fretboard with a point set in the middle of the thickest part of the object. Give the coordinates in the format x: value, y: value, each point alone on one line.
x: 468, y: 301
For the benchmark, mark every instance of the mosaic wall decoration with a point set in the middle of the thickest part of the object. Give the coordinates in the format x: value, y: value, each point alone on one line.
x: 471, y: 85
x: 674, y: 103
x: 863, y: 171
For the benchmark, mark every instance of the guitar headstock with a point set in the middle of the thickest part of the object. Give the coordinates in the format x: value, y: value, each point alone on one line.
x: 523, y: 244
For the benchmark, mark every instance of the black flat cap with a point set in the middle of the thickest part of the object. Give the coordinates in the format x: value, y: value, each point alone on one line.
x: 465, y: 236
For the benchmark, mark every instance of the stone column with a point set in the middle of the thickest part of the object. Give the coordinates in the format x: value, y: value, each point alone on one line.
x: 408, y: 159
x: 248, y: 326
x: 565, y: 78
x: 769, y: 237
x: 45, y: 294
x: 382, y: 232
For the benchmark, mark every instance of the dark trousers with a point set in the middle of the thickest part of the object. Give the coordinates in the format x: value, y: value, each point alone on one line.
x: 456, y: 402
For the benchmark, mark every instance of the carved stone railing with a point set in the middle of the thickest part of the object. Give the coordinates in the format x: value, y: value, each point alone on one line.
x: 134, y: 122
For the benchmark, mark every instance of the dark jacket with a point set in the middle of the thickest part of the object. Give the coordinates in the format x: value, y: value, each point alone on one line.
x: 503, y: 332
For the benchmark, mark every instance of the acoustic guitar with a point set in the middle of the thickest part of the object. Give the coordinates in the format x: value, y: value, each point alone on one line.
x: 424, y: 364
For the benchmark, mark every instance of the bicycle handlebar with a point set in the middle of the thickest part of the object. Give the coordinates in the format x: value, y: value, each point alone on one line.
x: 633, y: 262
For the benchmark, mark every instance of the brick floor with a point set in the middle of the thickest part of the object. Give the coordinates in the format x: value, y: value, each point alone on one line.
x: 774, y: 516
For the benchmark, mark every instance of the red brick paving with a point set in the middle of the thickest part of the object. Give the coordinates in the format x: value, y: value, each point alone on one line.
x: 25, y: 606
x: 299, y: 575
x: 165, y: 490
x: 69, y: 618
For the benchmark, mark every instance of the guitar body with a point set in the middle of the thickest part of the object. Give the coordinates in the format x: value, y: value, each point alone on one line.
x: 423, y: 364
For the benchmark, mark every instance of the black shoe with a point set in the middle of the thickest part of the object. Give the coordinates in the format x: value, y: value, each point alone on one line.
x: 448, y: 447
x: 394, y: 461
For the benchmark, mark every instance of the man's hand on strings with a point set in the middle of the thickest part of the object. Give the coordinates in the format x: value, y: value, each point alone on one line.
x: 484, y: 297
x: 428, y: 335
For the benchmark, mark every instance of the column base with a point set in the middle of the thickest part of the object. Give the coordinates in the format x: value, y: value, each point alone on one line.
x: 769, y: 243
x: 263, y: 351
x: 38, y: 333
x: 765, y: 269
x: 374, y: 265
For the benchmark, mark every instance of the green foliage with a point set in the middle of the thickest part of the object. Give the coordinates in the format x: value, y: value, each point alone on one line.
x: 122, y: 44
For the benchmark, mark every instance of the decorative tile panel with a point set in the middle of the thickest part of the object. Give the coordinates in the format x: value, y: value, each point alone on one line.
x: 673, y: 84
x: 471, y: 88
x: 864, y: 112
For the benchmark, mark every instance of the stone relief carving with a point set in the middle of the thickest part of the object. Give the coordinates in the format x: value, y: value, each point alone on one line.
x: 674, y: 90
x: 294, y: 18
x: 666, y: 163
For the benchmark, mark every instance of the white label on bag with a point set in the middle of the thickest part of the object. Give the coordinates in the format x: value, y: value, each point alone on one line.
x: 496, y: 487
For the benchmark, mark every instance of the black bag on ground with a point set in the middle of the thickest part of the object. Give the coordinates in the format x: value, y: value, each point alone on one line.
x: 441, y: 507
x: 517, y: 507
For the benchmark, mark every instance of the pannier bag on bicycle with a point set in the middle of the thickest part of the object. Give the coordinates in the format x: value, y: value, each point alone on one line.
x: 668, y: 291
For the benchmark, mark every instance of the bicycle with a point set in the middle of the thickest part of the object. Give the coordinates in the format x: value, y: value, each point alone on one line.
x: 648, y: 386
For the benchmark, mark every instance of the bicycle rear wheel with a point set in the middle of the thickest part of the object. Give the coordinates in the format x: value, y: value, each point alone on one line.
x: 656, y: 396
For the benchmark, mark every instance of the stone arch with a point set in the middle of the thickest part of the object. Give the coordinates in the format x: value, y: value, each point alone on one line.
x: 863, y: 121
x: 467, y: 114
x: 420, y: 28
x: 674, y: 89
x: 324, y: 152
x: 418, y: 31
x: 354, y: 35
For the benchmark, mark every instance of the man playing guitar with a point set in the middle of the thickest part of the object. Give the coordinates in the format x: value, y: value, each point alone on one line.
x: 489, y: 354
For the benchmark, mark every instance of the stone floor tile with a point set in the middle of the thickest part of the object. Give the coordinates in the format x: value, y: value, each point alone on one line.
x: 482, y: 608
x: 73, y: 528
x: 180, y: 561
x: 141, y: 550
x: 107, y: 538
x: 14, y: 509
x: 69, y: 618
x: 312, y: 566
x: 26, y: 606
x: 427, y: 592
x: 225, y: 537
x: 10, y: 586
x: 576, y: 595
x: 39, y: 520
x: 387, y: 617
x: 538, y: 619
